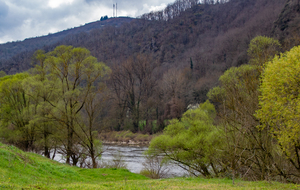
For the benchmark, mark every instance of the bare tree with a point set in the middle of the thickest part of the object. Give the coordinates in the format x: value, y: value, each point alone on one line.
x: 133, y: 84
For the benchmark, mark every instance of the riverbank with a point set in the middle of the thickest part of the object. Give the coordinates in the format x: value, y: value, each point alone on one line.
x: 126, y: 138
x: 22, y: 170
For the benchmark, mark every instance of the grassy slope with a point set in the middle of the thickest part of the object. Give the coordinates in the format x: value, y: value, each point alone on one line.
x: 19, y: 170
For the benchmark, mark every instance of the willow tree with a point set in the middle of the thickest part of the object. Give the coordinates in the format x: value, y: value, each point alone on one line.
x: 194, y: 143
x: 262, y: 49
x: 16, y: 112
x: 41, y: 90
x: 74, y: 75
x: 249, y: 149
x: 280, y: 103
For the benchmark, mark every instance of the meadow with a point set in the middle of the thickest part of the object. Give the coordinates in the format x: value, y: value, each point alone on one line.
x: 22, y: 170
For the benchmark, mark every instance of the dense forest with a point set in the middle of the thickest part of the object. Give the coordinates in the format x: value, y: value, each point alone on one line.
x: 193, y: 70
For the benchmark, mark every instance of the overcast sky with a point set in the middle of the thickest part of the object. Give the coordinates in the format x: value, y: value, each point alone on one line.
x: 20, y: 19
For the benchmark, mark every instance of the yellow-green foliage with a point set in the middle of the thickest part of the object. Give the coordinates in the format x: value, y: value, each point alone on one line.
x: 237, y: 83
x: 262, y: 49
x: 280, y: 98
x: 193, y: 141
x: 12, y: 103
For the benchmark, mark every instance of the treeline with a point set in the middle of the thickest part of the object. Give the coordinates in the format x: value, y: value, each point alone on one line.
x: 255, y: 135
x: 175, y: 9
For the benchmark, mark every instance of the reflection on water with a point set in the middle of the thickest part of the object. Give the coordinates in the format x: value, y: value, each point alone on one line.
x: 132, y: 156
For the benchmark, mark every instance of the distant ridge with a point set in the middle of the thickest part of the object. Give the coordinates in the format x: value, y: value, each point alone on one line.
x: 10, y: 49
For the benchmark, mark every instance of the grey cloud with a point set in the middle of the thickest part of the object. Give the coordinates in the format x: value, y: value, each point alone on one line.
x: 138, y: 5
x: 3, y: 9
x: 22, y: 19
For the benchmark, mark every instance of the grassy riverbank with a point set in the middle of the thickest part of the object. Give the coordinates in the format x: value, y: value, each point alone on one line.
x: 20, y: 170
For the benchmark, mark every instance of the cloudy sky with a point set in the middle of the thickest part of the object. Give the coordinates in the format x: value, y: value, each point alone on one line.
x: 20, y: 19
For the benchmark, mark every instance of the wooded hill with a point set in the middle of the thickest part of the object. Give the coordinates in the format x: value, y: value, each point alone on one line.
x: 29, y: 45
x: 184, y: 48
x: 191, y: 41
x: 213, y: 37
x: 209, y: 34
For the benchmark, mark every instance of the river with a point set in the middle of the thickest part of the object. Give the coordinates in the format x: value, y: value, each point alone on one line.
x: 132, y: 157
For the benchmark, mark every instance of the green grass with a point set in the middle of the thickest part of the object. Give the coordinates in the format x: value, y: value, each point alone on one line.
x: 20, y: 170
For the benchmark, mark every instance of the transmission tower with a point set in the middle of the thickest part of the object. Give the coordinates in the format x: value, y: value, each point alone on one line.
x: 113, y: 10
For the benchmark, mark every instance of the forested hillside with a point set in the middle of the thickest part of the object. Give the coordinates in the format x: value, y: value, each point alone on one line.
x: 29, y: 45
x: 189, y: 45
x: 196, y: 41
x: 164, y: 61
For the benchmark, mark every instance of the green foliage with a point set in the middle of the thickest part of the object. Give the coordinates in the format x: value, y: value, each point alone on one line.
x: 262, y: 49
x: 15, y: 110
x: 238, y: 86
x: 192, y: 141
x: 279, y: 98
x: 2, y: 74
x: 237, y: 96
x: 56, y: 104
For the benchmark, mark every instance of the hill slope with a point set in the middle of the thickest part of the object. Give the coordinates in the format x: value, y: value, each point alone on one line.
x: 10, y: 49
x: 216, y: 34
x: 189, y: 46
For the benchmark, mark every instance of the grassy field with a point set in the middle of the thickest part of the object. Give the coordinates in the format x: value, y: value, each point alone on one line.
x: 20, y: 170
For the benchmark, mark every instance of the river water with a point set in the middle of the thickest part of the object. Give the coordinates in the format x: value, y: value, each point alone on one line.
x: 131, y: 156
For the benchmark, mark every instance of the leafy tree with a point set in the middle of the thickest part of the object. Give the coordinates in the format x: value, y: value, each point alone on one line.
x: 16, y: 112
x: 2, y: 73
x: 41, y: 89
x: 58, y: 102
x: 76, y: 74
x: 280, y: 102
x: 193, y: 142
x: 237, y: 96
x: 262, y: 49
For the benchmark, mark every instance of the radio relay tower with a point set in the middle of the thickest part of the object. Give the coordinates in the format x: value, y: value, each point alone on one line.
x: 115, y: 10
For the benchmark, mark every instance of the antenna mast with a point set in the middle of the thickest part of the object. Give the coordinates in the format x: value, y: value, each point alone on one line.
x: 116, y: 10
x: 113, y: 10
